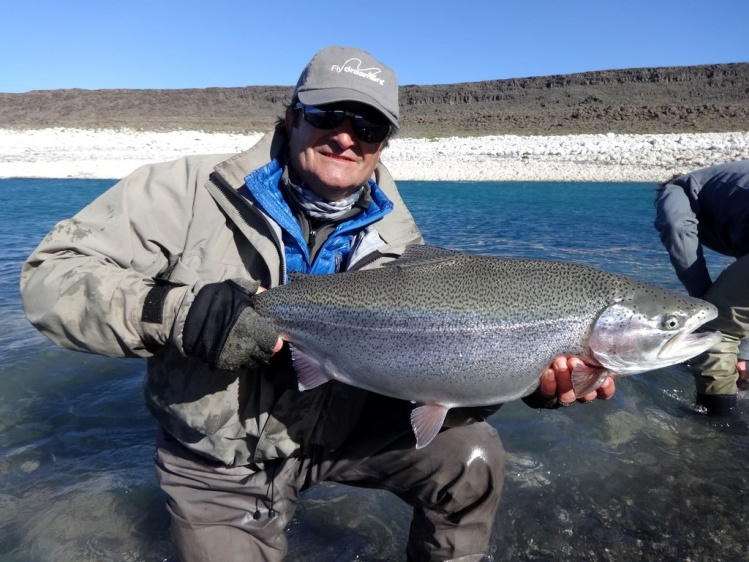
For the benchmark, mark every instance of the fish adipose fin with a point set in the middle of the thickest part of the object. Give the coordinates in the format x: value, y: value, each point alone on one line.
x: 309, y: 371
x: 586, y: 379
x: 416, y: 254
x: 426, y: 422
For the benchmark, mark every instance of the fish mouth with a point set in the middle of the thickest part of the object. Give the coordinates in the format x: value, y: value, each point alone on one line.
x: 686, y: 345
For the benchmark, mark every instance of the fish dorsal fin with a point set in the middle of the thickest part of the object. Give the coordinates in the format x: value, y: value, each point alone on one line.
x: 296, y: 275
x: 426, y: 422
x: 586, y: 378
x: 309, y: 371
x: 417, y: 254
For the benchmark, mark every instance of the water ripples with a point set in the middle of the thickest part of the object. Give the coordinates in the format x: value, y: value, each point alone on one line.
x: 639, y: 477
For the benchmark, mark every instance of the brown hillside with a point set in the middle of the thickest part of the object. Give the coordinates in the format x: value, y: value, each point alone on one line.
x: 709, y: 98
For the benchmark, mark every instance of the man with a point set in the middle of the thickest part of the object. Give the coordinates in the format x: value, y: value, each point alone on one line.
x: 163, y: 266
x: 710, y: 207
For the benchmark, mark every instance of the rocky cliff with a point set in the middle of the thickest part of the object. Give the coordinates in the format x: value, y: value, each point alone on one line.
x: 708, y: 98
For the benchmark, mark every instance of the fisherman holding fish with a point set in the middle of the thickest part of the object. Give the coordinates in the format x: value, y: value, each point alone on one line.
x: 164, y: 266
x: 709, y: 208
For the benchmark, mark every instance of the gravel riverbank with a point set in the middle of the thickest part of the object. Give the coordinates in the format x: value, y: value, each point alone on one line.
x: 79, y: 153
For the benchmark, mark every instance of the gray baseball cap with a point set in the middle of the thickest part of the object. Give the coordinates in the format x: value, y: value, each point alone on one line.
x: 348, y: 74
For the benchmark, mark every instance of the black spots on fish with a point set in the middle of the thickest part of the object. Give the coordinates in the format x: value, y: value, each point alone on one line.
x: 514, y: 289
x: 657, y: 299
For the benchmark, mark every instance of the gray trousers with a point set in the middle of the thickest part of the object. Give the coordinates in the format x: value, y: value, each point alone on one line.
x: 715, y: 370
x: 222, y: 513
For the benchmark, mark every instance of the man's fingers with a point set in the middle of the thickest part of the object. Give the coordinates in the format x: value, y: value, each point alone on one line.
x: 548, y: 385
x: 562, y: 370
x: 607, y: 389
x: 278, y: 346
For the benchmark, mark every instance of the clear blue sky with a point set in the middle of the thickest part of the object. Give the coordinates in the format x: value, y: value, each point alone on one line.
x: 51, y: 44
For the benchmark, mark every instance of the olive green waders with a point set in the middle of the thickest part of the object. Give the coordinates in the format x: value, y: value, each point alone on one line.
x: 235, y: 514
x: 715, y: 370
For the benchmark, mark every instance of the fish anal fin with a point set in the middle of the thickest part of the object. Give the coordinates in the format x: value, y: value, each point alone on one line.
x: 309, y: 371
x: 426, y: 422
x: 587, y: 378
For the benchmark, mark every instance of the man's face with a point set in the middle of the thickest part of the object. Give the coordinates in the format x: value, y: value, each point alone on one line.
x: 334, y: 163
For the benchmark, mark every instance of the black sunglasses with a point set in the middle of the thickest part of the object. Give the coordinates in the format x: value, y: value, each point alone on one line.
x: 364, y: 128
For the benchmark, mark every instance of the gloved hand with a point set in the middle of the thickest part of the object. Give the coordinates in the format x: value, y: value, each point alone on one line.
x: 223, y: 330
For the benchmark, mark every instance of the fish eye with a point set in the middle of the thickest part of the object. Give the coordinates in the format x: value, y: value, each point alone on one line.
x: 671, y: 322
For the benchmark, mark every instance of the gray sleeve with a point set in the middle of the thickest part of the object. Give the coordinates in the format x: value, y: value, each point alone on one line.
x: 677, y: 226
x: 85, y: 285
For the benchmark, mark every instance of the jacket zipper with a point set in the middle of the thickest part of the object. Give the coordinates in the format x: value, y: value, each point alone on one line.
x: 232, y: 196
x: 311, y: 241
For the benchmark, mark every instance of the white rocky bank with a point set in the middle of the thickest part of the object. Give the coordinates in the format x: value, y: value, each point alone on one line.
x: 606, y: 157
x: 73, y: 153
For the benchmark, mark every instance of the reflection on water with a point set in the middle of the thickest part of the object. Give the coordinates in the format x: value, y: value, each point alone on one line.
x: 641, y: 477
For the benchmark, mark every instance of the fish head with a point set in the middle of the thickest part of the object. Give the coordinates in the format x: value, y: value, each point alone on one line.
x: 650, y: 328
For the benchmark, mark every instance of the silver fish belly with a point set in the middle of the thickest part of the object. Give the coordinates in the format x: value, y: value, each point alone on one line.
x: 446, y: 329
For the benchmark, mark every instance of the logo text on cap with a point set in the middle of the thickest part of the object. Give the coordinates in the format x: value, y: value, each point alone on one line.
x: 369, y: 73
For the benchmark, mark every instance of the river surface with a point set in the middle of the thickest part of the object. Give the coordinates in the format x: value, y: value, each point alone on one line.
x: 640, y: 477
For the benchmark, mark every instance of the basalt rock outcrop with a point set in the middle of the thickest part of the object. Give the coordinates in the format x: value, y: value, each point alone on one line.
x: 706, y: 98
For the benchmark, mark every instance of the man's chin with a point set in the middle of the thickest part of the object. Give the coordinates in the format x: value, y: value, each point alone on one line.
x: 334, y: 187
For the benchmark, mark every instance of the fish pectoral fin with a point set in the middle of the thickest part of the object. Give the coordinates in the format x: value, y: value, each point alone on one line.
x: 426, y: 422
x: 309, y: 371
x: 586, y: 378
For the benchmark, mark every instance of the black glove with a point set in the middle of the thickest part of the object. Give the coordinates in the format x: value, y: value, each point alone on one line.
x: 457, y: 417
x: 539, y: 401
x: 223, y: 330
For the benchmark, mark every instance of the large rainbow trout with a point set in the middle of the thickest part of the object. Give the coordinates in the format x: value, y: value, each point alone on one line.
x: 445, y: 329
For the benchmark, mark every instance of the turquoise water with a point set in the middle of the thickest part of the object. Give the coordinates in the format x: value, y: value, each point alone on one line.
x: 640, y: 477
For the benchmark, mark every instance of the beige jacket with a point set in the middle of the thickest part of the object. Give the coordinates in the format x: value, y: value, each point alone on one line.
x: 184, y: 222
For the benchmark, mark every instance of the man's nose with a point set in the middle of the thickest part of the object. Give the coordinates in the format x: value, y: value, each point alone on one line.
x: 343, y: 135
